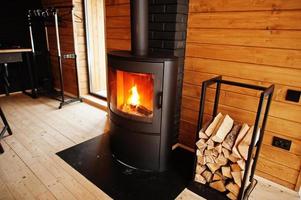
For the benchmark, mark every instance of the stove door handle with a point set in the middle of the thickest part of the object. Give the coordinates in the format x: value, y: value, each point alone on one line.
x: 160, y: 99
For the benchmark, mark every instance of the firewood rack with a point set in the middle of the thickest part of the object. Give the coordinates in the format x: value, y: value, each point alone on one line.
x: 248, y: 183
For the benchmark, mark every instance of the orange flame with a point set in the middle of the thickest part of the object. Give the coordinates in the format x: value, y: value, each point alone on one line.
x: 134, y: 98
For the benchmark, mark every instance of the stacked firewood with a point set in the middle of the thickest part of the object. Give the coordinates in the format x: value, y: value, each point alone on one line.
x: 222, y: 151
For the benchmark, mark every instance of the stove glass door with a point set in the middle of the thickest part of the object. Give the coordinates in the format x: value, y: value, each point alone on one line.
x: 132, y: 94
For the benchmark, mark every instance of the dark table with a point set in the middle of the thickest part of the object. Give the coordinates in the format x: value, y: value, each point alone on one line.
x: 15, y: 56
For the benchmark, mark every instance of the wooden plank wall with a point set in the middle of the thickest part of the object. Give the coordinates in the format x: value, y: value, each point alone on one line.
x: 118, y: 34
x: 251, y: 41
x: 67, y: 45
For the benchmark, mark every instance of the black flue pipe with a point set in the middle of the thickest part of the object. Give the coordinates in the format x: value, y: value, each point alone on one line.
x: 139, y: 27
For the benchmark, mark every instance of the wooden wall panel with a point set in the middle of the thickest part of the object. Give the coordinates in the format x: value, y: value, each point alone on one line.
x: 118, y: 34
x: 256, y: 42
x: 245, y: 5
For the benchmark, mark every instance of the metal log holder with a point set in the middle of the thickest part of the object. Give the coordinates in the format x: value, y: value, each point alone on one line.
x: 52, y: 14
x: 248, y: 183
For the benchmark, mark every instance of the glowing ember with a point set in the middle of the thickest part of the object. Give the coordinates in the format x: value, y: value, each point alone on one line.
x: 134, y: 98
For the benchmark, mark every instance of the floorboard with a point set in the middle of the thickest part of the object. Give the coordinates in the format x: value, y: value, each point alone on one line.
x: 29, y: 168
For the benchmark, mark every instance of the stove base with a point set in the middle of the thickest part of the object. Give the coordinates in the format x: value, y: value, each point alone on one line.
x: 93, y: 159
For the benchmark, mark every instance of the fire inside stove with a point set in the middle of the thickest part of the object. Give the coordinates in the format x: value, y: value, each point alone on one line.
x: 132, y: 94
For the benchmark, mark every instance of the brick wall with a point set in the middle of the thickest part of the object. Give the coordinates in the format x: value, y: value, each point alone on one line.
x: 167, y: 34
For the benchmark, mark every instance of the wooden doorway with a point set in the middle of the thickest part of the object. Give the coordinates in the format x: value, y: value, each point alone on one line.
x: 95, y: 34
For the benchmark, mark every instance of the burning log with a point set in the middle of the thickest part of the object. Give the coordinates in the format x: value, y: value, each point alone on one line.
x: 143, y: 110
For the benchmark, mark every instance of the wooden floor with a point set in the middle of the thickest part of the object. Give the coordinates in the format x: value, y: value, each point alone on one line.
x: 29, y: 168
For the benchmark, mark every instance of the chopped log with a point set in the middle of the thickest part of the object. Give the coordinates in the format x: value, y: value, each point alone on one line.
x: 223, y: 130
x: 213, y: 167
x: 237, y: 177
x: 200, y: 169
x: 231, y: 196
x: 210, y: 147
x: 226, y: 152
x: 232, y: 187
x: 221, y: 160
x: 208, y: 152
x: 241, y: 164
x: 210, y: 142
x: 230, y: 139
x: 243, y: 131
x: 201, y: 160
x: 207, y: 175
x: 218, y: 185
x: 235, y: 168
x: 201, y: 144
x: 213, y: 125
x: 218, y: 148
x: 217, y: 176
x: 233, y: 158
x: 200, y: 179
x: 226, y: 171
x: 202, y: 135
x: 209, y: 159
x: 243, y: 146
x: 214, y: 153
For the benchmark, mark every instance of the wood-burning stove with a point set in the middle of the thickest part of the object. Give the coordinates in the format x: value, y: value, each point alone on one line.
x: 141, y: 92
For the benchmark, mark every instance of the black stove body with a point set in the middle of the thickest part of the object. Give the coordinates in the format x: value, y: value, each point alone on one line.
x: 141, y: 92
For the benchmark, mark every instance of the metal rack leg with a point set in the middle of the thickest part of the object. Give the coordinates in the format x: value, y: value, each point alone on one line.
x: 5, y: 122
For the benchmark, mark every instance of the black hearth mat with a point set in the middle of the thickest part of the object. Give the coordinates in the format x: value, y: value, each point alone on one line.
x: 94, y: 161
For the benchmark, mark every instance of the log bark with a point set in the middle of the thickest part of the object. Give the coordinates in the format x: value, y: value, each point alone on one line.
x: 231, y: 137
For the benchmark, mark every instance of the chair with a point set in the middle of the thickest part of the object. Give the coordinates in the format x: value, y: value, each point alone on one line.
x: 5, y: 128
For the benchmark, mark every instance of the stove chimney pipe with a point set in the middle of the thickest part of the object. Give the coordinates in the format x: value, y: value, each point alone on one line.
x: 139, y: 27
